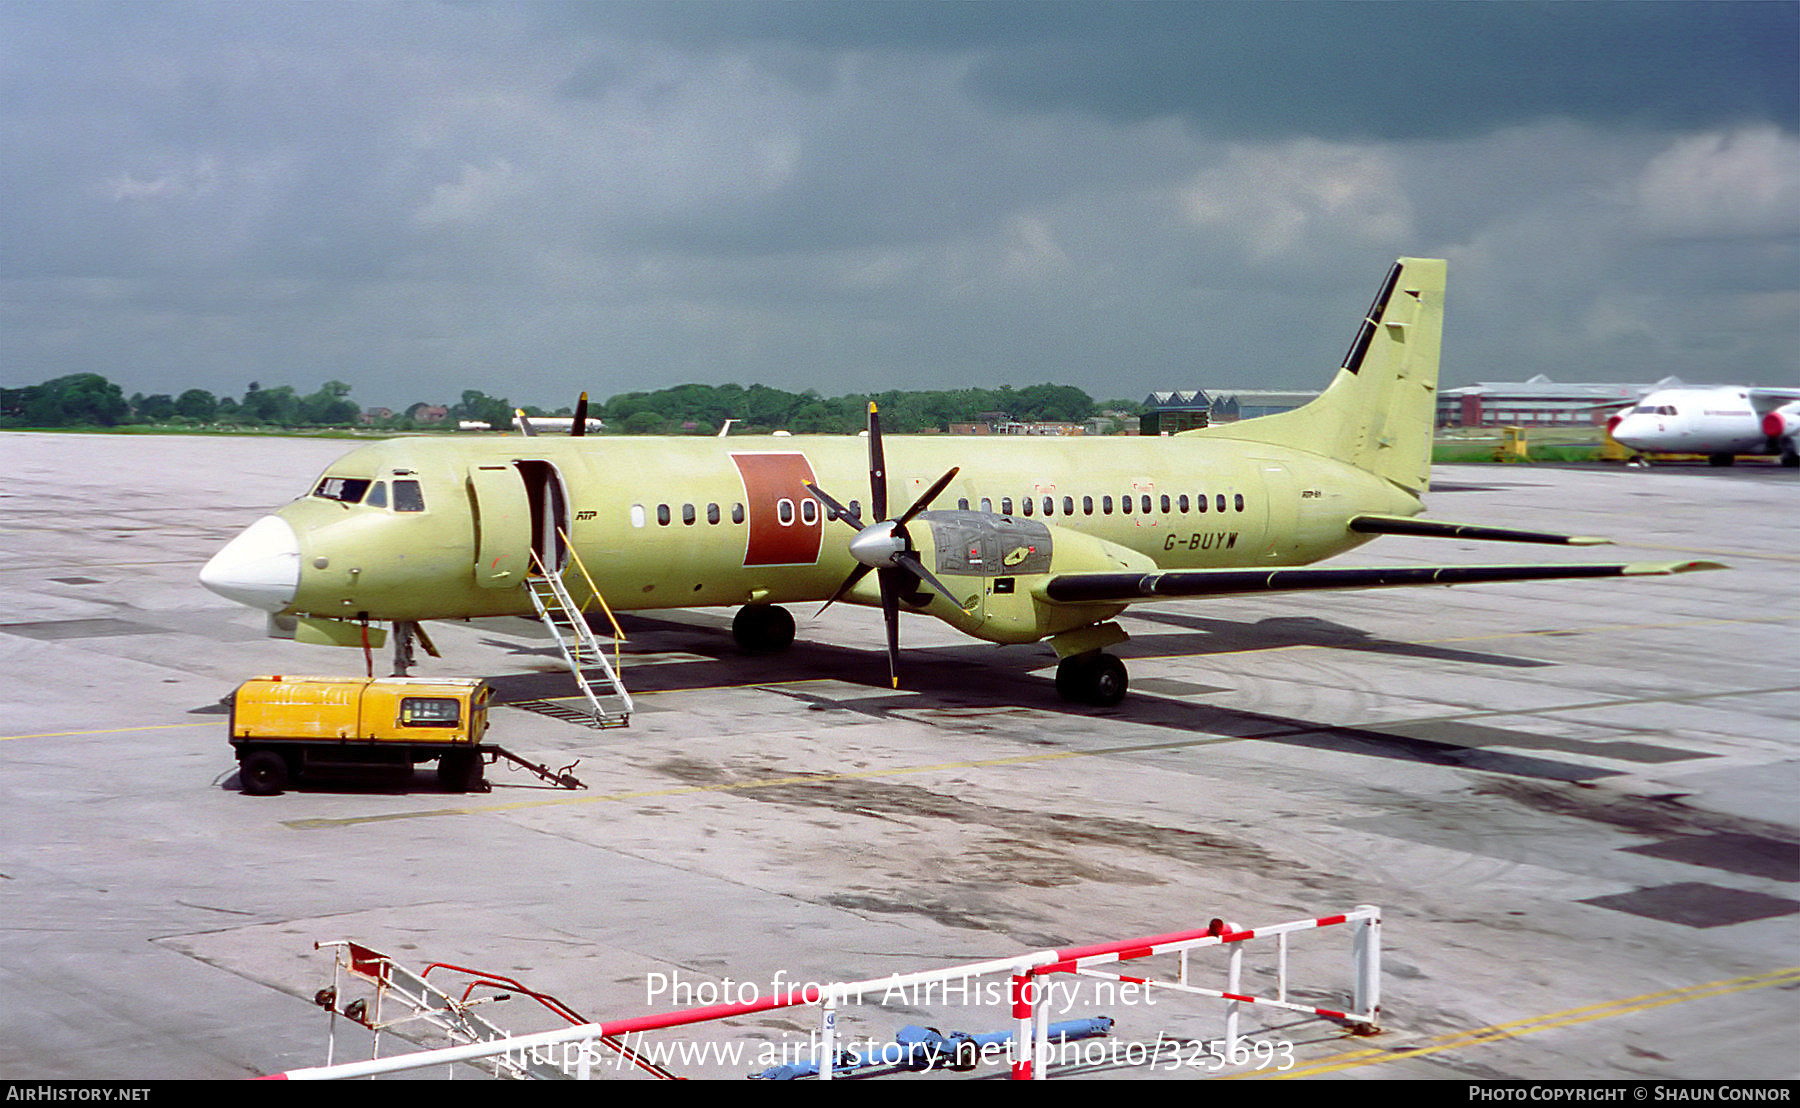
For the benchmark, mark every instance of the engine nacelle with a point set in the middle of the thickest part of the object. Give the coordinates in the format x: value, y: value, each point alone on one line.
x: 1783, y: 422
x: 994, y: 564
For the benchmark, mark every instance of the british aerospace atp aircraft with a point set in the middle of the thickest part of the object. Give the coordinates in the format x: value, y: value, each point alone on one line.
x: 1050, y: 538
x: 1720, y: 422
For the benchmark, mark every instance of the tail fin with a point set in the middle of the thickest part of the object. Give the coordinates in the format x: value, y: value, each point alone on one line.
x: 1379, y: 411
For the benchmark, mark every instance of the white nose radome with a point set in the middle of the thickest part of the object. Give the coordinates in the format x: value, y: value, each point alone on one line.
x: 260, y: 568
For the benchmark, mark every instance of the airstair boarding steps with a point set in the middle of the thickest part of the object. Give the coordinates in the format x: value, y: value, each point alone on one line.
x: 611, y: 704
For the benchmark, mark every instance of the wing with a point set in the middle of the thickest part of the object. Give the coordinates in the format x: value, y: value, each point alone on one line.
x: 1080, y: 588
x: 1431, y: 528
x: 1764, y: 401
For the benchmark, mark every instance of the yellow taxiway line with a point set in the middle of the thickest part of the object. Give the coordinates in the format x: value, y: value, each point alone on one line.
x: 1570, y: 1017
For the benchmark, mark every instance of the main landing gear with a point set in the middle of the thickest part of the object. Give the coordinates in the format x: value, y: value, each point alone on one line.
x: 1095, y: 678
x: 763, y: 628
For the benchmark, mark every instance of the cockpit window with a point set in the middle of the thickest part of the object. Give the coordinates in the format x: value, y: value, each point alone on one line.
x: 377, y: 497
x: 347, y: 490
x: 408, y: 497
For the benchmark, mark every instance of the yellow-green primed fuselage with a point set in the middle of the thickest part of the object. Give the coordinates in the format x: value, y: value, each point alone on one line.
x: 669, y: 522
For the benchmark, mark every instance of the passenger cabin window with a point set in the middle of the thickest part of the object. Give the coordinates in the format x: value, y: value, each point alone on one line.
x: 1006, y: 505
x: 809, y: 511
x: 345, y: 490
x: 1240, y: 501
x: 712, y: 513
x: 429, y: 711
x: 662, y: 515
x: 1068, y: 505
x: 784, y: 511
x: 737, y: 513
x: 408, y: 497
x: 637, y: 515
x: 1219, y: 502
x: 687, y: 514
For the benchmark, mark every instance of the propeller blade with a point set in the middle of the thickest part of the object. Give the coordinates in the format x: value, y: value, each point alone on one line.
x: 890, y: 614
x: 856, y: 575
x: 841, y: 511
x: 525, y: 427
x: 911, y: 562
x: 925, y: 500
x: 877, y: 466
x: 579, y: 427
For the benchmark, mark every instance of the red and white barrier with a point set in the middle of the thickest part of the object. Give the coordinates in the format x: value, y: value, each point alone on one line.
x: 1029, y: 1008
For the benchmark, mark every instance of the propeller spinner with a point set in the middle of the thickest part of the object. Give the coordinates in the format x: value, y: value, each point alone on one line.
x: 884, y: 546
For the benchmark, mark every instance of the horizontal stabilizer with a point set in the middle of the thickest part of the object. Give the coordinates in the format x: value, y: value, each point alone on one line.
x: 1082, y: 588
x: 1405, y: 525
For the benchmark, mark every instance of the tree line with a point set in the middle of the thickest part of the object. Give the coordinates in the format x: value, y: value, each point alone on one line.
x: 90, y: 400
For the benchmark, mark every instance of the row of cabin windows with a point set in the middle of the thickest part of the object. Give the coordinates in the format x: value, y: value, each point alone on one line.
x: 808, y: 509
x: 1142, y: 503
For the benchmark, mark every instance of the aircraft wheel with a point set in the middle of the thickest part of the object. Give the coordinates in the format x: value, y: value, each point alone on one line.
x: 1069, y: 673
x: 1097, y: 679
x: 1720, y: 459
x: 763, y: 628
x: 1790, y: 459
x: 263, y: 772
x: 1108, y: 683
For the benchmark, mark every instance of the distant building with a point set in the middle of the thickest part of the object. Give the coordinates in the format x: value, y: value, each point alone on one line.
x: 1167, y: 413
x: 1539, y: 402
x: 1006, y: 426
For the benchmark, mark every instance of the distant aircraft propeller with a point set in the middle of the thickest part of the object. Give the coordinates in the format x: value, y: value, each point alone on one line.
x: 884, y: 546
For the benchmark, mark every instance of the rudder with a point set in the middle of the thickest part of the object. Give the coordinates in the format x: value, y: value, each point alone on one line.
x: 1381, y: 408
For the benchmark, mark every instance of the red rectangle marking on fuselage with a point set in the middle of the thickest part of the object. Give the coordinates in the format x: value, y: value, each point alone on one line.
x: 770, y: 479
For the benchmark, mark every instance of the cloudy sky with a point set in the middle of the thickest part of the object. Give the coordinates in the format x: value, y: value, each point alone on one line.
x: 531, y: 199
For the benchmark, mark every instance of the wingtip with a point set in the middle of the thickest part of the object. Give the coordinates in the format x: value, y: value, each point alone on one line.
x: 1658, y: 569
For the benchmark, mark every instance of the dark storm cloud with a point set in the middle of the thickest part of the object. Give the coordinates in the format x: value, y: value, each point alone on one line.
x: 1332, y: 70
x: 536, y: 198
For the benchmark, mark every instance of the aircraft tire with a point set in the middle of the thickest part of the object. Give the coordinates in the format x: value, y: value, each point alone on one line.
x: 1069, y: 677
x: 1720, y: 459
x: 263, y: 772
x: 763, y: 628
x: 1108, y: 683
x: 1096, y: 679
x: 1790, y: 459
